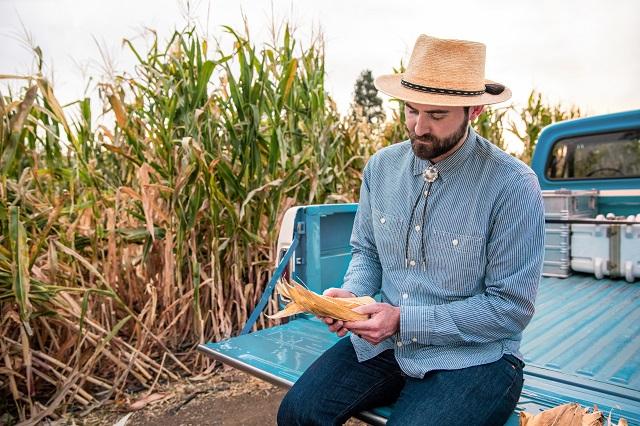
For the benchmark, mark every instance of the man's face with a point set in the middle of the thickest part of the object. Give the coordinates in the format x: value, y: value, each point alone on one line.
x: 434, y: 130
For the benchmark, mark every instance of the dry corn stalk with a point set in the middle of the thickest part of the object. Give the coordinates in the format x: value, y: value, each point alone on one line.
x: 303, y: 300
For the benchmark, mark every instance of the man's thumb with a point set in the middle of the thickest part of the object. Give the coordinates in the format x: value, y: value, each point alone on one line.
x: 337, y: 292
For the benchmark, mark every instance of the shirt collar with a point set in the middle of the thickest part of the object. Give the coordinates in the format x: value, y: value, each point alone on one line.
x: 447, y: 166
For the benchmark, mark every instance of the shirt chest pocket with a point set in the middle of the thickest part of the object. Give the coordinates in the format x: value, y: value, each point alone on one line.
x: 456, y: 262
x: 387, y: 230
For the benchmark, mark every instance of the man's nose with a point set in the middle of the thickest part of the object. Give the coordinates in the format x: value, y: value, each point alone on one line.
x: 422, y: 126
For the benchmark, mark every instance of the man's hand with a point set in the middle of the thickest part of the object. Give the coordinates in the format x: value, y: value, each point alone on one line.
x: 383, y: 322
x: 336, y: 326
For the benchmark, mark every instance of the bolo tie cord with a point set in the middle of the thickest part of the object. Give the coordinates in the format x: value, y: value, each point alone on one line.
x: 413, y: 212
x: 430, y: 175
x: 424, y: 212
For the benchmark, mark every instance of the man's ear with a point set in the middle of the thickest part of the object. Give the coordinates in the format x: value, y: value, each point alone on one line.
x: 475, y: 111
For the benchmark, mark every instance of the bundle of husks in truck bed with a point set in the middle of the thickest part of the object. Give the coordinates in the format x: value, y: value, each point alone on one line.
x: 568, y: 415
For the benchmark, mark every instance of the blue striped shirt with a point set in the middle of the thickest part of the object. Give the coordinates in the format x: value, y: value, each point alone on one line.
x: 484, y: 243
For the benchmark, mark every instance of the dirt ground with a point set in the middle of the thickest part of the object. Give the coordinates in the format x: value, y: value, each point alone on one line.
x: 228, y: 397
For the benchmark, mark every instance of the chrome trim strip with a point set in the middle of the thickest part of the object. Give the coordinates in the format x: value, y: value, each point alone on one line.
x: 261, y: 374
x: 618, y: 192
x: 371, y: 418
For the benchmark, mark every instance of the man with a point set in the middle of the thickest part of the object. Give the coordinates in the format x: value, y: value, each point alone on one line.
x: 449, y: 230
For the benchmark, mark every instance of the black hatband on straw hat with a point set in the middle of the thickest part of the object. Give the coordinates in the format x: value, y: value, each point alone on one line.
x: 491, y: 88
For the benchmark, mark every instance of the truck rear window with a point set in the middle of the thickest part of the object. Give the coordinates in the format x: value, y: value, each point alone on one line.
x: 606, y: 155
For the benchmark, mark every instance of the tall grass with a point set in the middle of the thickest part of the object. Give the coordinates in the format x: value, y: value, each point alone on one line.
x: 124, y: 245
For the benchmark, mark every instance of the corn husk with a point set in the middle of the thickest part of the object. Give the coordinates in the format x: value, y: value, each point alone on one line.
x: 567, y: 415
x: 304, y: 300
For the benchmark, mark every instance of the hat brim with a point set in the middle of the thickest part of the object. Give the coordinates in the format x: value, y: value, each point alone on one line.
x: 390, y: 85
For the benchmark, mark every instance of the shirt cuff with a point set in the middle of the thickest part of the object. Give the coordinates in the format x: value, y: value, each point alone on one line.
x: 416, y: 324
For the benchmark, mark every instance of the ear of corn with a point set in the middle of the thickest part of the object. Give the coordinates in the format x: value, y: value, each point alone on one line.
x: 303, y: 300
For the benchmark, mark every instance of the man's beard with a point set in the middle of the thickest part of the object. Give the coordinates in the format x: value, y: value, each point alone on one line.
x: 436, y: 146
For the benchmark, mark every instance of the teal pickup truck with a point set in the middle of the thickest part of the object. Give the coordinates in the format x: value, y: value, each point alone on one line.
x: 583, y: 344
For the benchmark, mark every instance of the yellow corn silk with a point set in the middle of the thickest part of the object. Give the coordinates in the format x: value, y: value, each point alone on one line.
x: 567, y: 415
x: 303, y: 300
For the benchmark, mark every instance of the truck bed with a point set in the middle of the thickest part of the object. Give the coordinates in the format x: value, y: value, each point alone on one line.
x: 582, y: 345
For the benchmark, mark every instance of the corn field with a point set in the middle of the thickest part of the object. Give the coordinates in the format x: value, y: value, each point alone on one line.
x: 125, y: 244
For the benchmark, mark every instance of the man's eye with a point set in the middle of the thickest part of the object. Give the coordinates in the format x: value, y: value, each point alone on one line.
x: 438, y: 116
x: 412, y: 111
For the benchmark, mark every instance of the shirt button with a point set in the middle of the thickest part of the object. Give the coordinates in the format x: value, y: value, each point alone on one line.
x: 414, y: 339
x: 405, y: 296
x: 399, y: 344
x: 455, y: 242
x: 417, y: 228
x: 383, y: 220
x: 412, y: 263
x: 426, y: 193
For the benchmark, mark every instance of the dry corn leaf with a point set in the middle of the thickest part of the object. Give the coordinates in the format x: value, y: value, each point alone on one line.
x: 149, y: 399
x: 565, y: 415
x: 291, y: 309
x: 304, y: 300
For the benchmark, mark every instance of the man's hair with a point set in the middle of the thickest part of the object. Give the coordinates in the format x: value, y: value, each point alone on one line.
x: 466, y: 109
x: 403, y: 103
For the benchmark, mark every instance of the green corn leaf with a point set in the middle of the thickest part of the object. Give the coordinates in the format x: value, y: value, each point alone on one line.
x: 20, y: 266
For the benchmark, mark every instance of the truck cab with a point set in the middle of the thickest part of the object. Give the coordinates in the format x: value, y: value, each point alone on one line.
x: 583, y: 343
x: 595, y: 153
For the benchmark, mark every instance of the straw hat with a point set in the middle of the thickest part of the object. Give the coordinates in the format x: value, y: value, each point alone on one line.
x: 444, y: 72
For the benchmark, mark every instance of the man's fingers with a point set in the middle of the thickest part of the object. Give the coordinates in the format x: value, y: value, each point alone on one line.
x: 360, y: 326
x: 336, y: 326
x: 342, y: 332
x: 326, y: 320
x: 369, y: 309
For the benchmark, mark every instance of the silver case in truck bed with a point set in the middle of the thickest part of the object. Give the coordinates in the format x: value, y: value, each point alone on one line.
x: 607, y: 250
x: 563, y: 204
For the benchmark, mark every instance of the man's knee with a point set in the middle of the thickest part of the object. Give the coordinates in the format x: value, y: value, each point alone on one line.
x: 293, y: 409
x: 285, y: 412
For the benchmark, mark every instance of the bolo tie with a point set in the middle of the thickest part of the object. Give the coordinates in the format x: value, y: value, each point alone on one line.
x: 430, y: 174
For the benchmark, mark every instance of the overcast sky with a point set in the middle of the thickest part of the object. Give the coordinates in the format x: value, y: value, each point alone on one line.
x: 580, y: 52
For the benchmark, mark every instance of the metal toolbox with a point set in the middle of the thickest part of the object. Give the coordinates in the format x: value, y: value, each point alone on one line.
x: 611, y: 250
x: 630, y: 250
x: 563, y: 204
x: 556, y: 250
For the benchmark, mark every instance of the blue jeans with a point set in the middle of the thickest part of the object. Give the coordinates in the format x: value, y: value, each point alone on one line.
x: 336, y: 386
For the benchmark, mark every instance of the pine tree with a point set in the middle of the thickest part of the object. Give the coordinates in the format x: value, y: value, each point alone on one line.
x: 366, y: 99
